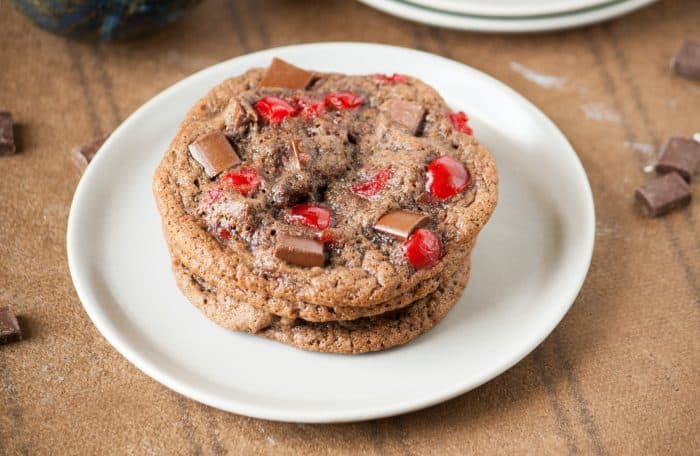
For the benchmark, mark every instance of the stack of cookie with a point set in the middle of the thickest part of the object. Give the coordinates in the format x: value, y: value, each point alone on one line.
x: 330, y: 212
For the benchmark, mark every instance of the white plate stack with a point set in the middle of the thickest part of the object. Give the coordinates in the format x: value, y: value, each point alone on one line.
x: 508, y: 16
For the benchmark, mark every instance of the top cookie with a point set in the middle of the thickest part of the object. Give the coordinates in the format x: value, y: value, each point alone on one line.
x: 323, y: 187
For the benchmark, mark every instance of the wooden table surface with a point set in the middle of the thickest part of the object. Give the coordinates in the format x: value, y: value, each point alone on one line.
x: 620, y: 374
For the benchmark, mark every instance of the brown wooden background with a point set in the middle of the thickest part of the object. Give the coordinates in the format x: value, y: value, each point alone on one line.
x: 621, y: 373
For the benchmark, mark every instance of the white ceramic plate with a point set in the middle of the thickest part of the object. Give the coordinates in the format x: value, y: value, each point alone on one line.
x: 510, y: 8
x: 441, y: 18
x: 528, y: 266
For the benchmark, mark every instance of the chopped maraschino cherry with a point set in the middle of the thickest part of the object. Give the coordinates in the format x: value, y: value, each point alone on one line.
x: 446, y: 177
x: 343, y: 100
x: 395, y: 78
x: 422, y: 249
x: 314, y: 216
x: 461, y: 122
x: 372, y: 185
x: 244, y: 180
x: 274, y: 110
x: 224, y: 233
x: 330, y: 236
x: 310, y: 109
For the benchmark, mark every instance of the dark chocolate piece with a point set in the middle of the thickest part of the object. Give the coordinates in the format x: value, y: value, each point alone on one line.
x: 9, y: 326
x: 400, y: 224
x: 7, y: 136
x: 681, y: 155
x: 82, y: 155
x: 214, y: 152
x: 285, y: 75
x: 686, y: 62
x: 663, y: 194
x: 300, y: 251
x: 406, y: 113
x: 427, y: 199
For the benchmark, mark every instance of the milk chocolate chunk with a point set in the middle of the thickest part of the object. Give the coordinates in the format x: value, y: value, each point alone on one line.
x: 9, y: 326
x: 300, y: 251
x: 686, y: 62
x: 214, y: 152
x: 285, y: 75
x: 400, y: 224
x: 663, y: 194
x: 408, y: 114
x: 681, y: 155
x: 83, y: 154
x: 7, y: 136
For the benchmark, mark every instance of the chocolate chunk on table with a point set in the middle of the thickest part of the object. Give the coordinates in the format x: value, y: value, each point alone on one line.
x: 9, y: 326
x: 300, y: 251
x: 400, y: 224
x: 83, y: 154
x: 285, y: 75
x: 686, y: 62
x: 214, y: 152
x: 7, y: 136
x: 663, y: 194
x: 681, y: 155
x: 408, y: 114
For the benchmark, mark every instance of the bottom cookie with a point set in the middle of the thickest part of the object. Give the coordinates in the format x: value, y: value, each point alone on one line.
x: 366, y: 334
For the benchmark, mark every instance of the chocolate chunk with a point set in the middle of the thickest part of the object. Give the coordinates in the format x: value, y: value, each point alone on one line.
x: 663, y: 194
x: 214, y: 152
x: 9, y: 326
x: 7, y: 136
x: 300, y: 251
x: 427, y: 199
x: 686, y: 62
x: 408, y: 114
x: 82, y: 155
x: 285, y: 75
x: 681, y: 155
x: 400, y: 224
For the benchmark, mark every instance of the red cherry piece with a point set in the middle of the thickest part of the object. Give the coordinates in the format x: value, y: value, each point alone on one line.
x: 310, y: 109
x: 446, y: 177
x: 372, y: 185
x: 244, y: 180
x: 330, y: 236
x: 314, y: 216
x: 395, y: 78
x: 274, y: 110
x: 343, y: 100
x: 422, y: 249
x: 224, y: 233
x: 461, y: 122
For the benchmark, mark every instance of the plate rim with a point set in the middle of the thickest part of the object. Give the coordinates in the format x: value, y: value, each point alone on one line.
x: 559, y: 7
x: 110, y: 333
x: 490, y: 24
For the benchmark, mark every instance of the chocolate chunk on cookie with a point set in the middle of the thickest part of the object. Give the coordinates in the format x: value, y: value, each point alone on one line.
x: 214, y: 152
x: 10, y: 330
x: 400, y: 224
x: 686, y: 62
x: 7, y: 136
x: 281, y: 74
x: 407, y: 114
x: 681, y: 155
x: 300, y: 251
x: 663, y: 194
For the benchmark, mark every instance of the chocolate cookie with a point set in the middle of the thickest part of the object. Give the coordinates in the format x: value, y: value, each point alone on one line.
x: 362, y: 335
x: 285, y: 191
